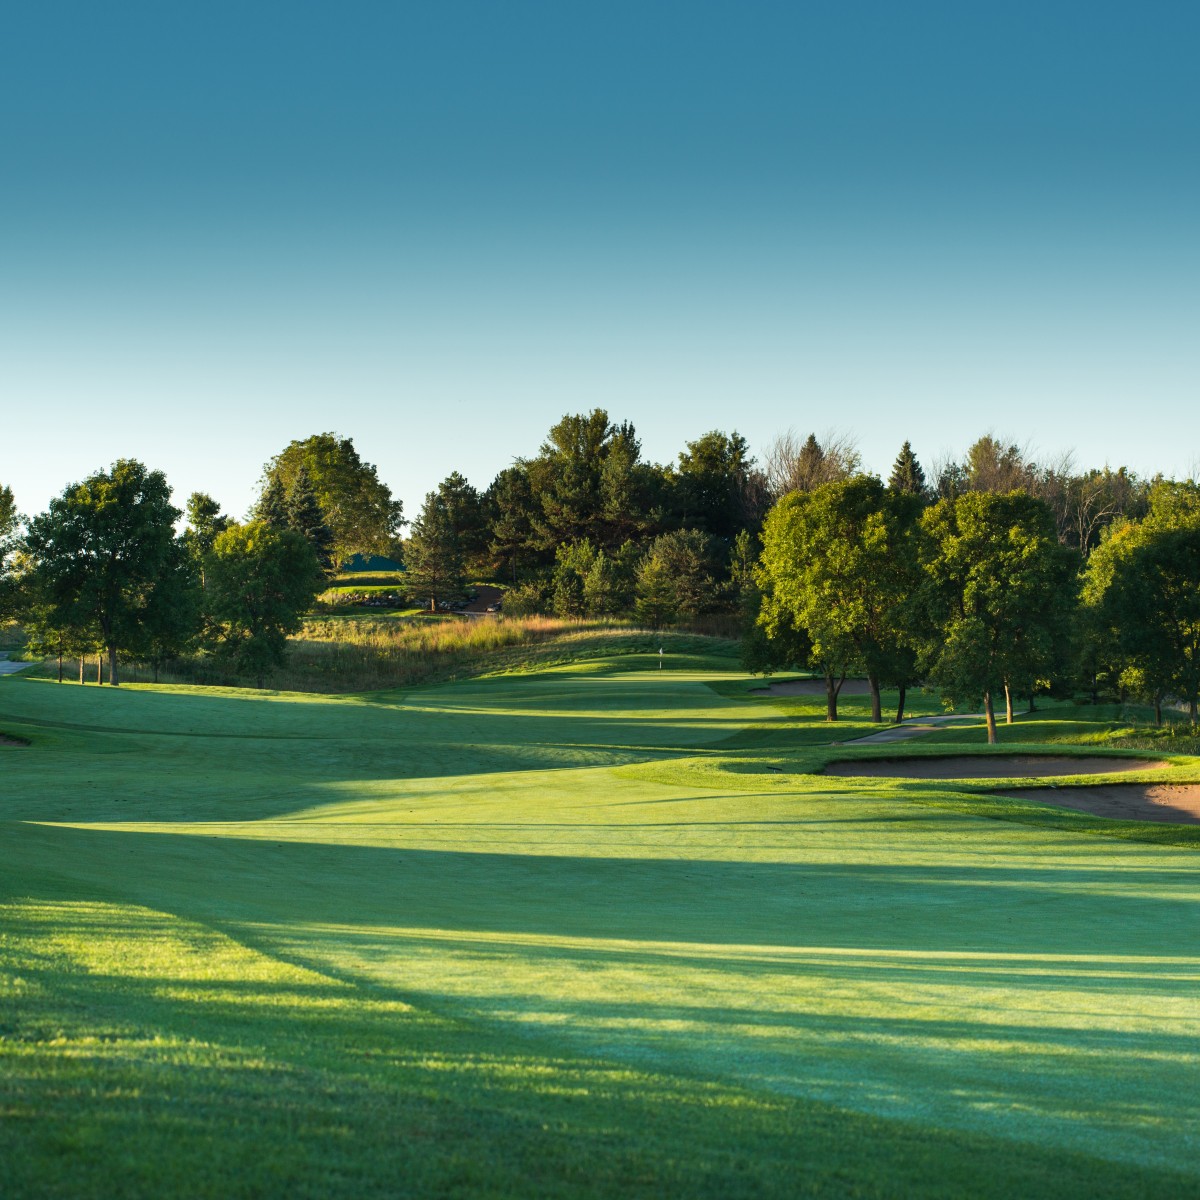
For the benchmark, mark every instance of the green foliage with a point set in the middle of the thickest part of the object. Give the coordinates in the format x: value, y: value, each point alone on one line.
x: 304, y: 514
x: 907, y: 477
x: 205, y: 522
x: 716, y: 490
x: 528, y: 599
x: 675, y: 579
x: 259, y: 583
x: 435, y: 555
x: 1142, y: 597
x: 465, y: 513
x: 105, y: 558
x: 357, y: 506
x: 510, y: 508
x: 840, y: 563
x: 588, y: 483
x: 9, y: 521
x: 1000, y: 591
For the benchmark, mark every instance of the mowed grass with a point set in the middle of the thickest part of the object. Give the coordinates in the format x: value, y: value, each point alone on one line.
x: 599, y: 929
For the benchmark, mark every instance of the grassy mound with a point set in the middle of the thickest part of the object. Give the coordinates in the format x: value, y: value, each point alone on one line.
x: 339, y: 655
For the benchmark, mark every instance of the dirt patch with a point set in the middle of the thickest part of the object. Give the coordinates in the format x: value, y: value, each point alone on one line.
x: 992, y: 766
x: 5, y: 740
x: 812, y: 687
x: 1178, y: 803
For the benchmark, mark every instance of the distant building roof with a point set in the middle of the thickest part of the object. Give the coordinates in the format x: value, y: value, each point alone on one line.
x: 373, y: 562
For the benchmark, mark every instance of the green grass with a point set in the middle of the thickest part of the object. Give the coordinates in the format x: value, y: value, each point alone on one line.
x: 583, y: 929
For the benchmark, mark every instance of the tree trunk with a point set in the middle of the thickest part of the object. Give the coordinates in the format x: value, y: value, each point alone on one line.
x: 876, y: 706
x: 900, y: 706
x: 81, y: 668
x: 1008, y: 705
x: 1032, y: 689
x: 113, y: 681
x: 831, y: 697
x: 1158, y: 710
x: 433, y: 604
x: 60, y: 662
x: 99, y: 669
x: 1192, y: 710
x: 991, y: 718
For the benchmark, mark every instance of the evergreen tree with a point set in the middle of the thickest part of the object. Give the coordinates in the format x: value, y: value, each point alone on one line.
x: 304, y: 514
x: 465, y: 511
x: 509, y: 509
x: 675, y: 579
x: 907, y: 478
x: 272, y: 508
x: 436, y: 566
x: 713, y: 484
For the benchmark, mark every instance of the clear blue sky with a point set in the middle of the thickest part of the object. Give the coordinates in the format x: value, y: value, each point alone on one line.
x: 436, y: 227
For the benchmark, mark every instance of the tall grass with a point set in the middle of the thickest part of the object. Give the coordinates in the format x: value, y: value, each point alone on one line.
x: 348, y: 655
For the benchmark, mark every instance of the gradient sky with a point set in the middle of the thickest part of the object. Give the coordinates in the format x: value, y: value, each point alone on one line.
x: 436, y: 227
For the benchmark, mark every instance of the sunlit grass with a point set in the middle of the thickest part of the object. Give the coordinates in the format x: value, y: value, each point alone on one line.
x: 592, y: 929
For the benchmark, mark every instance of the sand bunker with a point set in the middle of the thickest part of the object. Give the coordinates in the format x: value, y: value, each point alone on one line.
x: 992, y: 766
x: 812, y: 687
x: 1175, y: 802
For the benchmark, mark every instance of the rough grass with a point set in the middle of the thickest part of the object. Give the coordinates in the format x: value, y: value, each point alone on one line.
x: 339, y: 655
x: 590, y: 930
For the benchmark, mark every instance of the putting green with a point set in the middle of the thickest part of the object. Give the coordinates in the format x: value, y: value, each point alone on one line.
x: 585, y: 861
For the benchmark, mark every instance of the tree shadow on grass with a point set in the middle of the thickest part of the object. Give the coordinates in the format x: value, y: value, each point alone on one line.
x: 195, y: 1080
x: 1048, y: 907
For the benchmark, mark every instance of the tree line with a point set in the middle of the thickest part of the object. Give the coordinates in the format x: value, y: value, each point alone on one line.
x: 979, y: 594
x: 992, y: 574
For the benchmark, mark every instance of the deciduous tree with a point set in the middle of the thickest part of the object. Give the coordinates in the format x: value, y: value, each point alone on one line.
x: 841, y: 561
x: 1142, y: 589
x: 9, y: 521
x: 357, y: 506
x: 97, y: 552
x: 1000, y: 591
x: 260, y: 581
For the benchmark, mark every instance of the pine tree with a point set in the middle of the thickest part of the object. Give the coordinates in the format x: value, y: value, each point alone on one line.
x: 434, y: 554
x: 305, y: 515
x: 271, y: 508
x: 907, y: 477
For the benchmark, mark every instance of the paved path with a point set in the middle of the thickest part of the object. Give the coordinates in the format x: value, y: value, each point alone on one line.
x: 478, y: 606
x: 914, y: 727
x: 10, y: 668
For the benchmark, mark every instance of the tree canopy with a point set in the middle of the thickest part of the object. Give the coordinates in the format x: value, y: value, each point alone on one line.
x: 1142, y: 592
x: 357, y: 506
x: 841, y: 561
x: 1001, y: 590
x: 99, y: 550
x: 259, y: 583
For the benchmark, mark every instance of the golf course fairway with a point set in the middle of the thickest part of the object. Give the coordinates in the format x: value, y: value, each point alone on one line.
x: 600, y: 930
